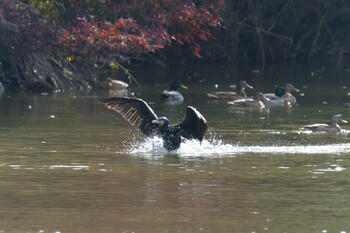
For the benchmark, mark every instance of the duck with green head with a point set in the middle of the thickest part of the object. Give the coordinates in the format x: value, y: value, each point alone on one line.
x: 173, y: 94
x: 282, y: 96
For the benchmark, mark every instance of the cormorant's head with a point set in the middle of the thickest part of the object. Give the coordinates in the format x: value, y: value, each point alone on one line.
x: 161, y: 121
x: 176, y: 85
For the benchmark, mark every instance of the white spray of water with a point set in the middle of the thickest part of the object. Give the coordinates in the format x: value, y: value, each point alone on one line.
x: 218, y: 148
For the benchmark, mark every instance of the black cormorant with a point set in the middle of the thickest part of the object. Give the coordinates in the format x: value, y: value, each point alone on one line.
x: 139, y: 114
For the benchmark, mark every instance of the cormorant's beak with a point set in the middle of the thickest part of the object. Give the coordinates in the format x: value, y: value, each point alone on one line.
x: 295, y: 89
x: 158, y: 122
x: 250, y: 87
x: 183, y: 86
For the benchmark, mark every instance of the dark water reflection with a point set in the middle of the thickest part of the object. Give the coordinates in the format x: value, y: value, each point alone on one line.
x: 68, y: 165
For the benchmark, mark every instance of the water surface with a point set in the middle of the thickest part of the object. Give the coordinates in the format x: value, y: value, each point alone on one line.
x: 69, y: 165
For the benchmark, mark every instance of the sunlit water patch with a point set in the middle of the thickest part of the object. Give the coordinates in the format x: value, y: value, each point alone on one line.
x: 343, y: 132
x: 73, y: 166
x: 218, y: 148
x: 298, y: 149
x: 331, y: 168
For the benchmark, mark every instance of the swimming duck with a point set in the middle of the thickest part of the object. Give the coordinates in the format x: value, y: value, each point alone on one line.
x: 231, y: 96
x: 250, y: 102
x: 113, y: 84
x: 42, y: 85
x: 138, y: 113
x: 332, y: 127
x: 281, y: 97
x: 173, y: 94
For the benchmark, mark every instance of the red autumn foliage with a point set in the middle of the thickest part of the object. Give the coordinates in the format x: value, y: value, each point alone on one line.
x: 99, y: 28
x: 143, y: 26
x: 71, y: 42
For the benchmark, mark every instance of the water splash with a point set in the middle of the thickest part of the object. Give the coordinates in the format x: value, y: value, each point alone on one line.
x: 189, y: 148
x: 218, y: 148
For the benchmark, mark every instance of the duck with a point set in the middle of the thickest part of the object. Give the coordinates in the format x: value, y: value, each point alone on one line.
x: 281, y: 97
x: 113, y: 84
x: 231, y: 96
x: 138, y: 113
x: 256, y: 101
x: 173, y: 94
x: 332, y: 127
x: 43, y: 85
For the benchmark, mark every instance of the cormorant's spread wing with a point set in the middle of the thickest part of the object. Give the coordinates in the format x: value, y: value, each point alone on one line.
x: 135, y: 111
x: 194, y: 125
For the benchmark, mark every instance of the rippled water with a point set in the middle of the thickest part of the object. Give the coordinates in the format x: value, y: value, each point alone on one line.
x: 69, y: 165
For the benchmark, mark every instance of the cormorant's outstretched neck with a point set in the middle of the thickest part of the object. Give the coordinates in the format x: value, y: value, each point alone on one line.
x: 139, y: 114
